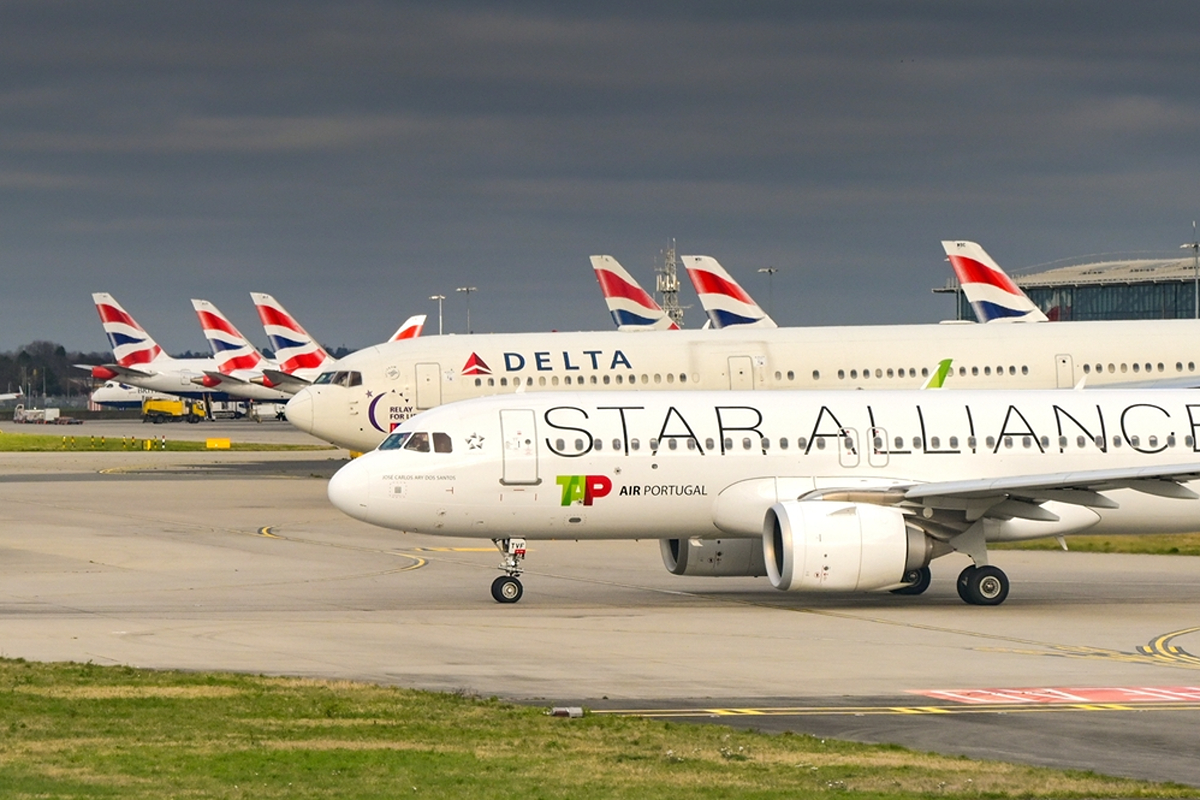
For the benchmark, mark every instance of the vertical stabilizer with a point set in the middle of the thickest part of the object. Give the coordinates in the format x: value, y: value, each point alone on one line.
x: 294, y: 348
x: 130, y: 343
x: 726, y: 303
x: 632, y: 308
x: 411, y: 328
x: 989, y: 290
x: 230, y: 349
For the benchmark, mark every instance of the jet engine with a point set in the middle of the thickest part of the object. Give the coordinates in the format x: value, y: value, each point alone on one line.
x: 714, y: 558
x: 817, y: 545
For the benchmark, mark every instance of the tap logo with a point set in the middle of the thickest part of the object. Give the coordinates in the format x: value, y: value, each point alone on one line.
x: 583, y: 488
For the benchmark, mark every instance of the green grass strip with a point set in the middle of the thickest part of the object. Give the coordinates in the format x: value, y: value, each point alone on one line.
x: 76, y: 442
x: 1177, y: 544
x: 81, y: 731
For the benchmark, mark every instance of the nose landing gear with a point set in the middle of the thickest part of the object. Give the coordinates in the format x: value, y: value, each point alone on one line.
x: 507, y: 588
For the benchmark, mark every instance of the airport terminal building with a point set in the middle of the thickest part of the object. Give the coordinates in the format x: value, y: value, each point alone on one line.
x: 1124, y: 288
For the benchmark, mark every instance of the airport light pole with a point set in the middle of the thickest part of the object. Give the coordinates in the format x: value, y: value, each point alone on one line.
x: 770, y: 288
x: 1194, y: 246
x: 439, y: 298
x: 467, y: 291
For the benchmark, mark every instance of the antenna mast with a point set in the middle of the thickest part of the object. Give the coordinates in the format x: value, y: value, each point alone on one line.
x: 667, y: 285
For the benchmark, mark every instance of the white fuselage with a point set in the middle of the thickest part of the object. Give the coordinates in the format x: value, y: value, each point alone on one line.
x: 397, y: 379
x: 709, y: 464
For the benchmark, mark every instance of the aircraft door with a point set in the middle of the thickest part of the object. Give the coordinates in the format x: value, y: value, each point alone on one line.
x: 1064, y: 365
x: 877, y: 451
x: 848, y: 447
x: 518, y: 430
x: 741, y: 372
x: 429, y: 385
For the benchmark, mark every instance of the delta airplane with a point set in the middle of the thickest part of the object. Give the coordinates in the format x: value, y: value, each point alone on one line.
x: 724, y: 300
x: 989, y: 290
x: 139, y: 361
x: 819, y: 491
x: 375, y: 389
x: 631, y: 306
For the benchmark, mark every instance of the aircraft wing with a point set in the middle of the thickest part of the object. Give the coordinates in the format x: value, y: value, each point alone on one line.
x: 282, y: 381
x: 1175, y: 382
x: 212, y: 378
x: 117, y: 370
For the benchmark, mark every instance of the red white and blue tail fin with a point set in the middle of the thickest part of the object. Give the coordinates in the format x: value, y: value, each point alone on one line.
x: 131, y: 344
x: 295, y: 349
x: 411, y: 328
x: 632, y: 308
x: 726, y: 303
x: 989, y: 290
x: 231, y: 350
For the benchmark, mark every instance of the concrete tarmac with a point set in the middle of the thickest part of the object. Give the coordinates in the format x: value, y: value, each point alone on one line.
x: 236, y: 561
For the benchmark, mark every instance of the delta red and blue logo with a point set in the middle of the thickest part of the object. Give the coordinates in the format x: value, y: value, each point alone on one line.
x: 476, y: 366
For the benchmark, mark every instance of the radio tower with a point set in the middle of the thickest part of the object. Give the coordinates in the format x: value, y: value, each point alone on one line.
x: 667, y: 285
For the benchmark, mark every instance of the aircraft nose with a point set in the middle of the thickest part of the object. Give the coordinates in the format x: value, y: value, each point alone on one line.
x: 348, y: 489
x: 299, y: 410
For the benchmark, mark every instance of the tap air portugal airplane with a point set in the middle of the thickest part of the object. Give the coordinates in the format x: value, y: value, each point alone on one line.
x: 375, y: 389
x: 988, y: 288
x: 819, y: 491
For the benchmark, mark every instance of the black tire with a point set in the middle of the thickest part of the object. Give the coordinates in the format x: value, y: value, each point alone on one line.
x: 963, y: 585
x: 983, y: 586
x: 507, y: 589
x: 918, y: 581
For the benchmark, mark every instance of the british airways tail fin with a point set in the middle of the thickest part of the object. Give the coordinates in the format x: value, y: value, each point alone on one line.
x: 411, y: 328
x: 130, y: 343
x: 295, y: 349
x: 726, y: 303
x: 230, y: 349
x: 989, y: 290
x: 632, y: 308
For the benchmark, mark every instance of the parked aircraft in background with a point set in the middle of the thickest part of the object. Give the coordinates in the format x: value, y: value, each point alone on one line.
x: 724, y: 300
x: 631, y: 306
x: 139, y: 361
x: 819, y: 491
x: 410, y: 329
x: 375, y: 389
x: 123, y: 396
x: 237, y: 360
x: 989, y: 290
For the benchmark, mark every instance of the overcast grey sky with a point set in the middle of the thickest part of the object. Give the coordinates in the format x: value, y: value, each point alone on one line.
x: 354, y: 158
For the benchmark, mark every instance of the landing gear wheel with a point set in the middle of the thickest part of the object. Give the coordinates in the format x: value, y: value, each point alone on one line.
x: 918, y: 581
x: 507, y: 589
x: 983, y: 586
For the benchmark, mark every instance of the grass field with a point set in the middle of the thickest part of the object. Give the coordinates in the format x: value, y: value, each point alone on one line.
x: 79, y: 730
x: 68, y: 442
x: 1179, y: 544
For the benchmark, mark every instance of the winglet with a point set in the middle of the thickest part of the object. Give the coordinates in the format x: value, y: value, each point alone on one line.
x: 938, y: 379
x: 726, y: 303
x: 631, y: 306
x: 990, y: 291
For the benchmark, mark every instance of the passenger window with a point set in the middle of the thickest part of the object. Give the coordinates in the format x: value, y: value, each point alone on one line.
x: 821, y: 443
x: 971, y: 442
x: 801, y: 442
x: 672, y: 444
x: 419, y: 442
x: 935, y: 442
x: 954, y: 441
x: 442, y: 443
x: 783, y: 443
x: 634, y: 444
x: 708, y: 444
x: 617, y: 445
x: 990, y: 442
x: 899, y: 443
x: 579, y: 445
x: 598, y: 445
x: 746, y: 444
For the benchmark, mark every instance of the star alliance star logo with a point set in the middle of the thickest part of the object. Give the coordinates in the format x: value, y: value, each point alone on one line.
x: 475, y: 442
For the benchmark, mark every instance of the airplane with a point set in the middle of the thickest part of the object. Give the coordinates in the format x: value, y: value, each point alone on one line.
x: 725, y: 301
x: 357, y: 404
x: 821, y: 491
x: 631, y: 306
x: 238, y: 361
x: 139, y: 361
x: 117, y: 395
x: 300, y: 357
x: 11, y: 395
x: 989, y: 290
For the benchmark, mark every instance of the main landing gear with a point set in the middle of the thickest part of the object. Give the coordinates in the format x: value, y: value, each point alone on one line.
x: 507, y: 588
x: 982, y: 586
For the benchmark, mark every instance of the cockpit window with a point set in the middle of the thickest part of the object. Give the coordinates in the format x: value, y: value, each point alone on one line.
x: 353, y: 379
x: 395, y: 441
x: 442, y: 444
x: 325, y: 377
x: 340, y: 378
x: 419, y: 441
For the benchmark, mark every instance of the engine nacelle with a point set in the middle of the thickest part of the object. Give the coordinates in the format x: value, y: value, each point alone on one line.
x: 714, y: 558
x: 826, y: 546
